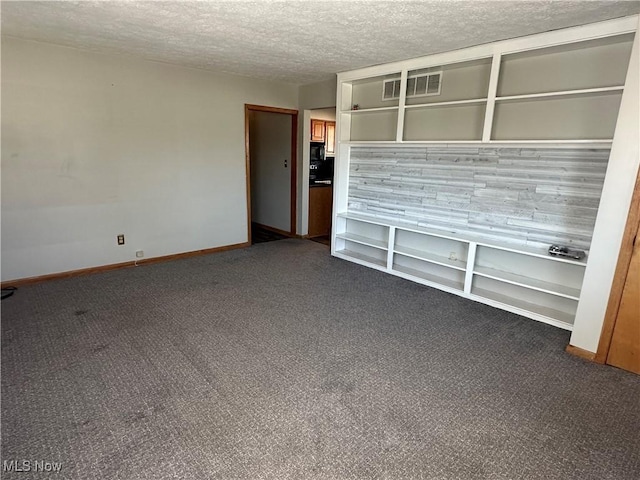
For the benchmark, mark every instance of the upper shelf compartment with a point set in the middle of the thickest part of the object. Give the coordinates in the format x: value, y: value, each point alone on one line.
x: 371, y: 93
x: 456, y: 82
x: 583, y: 65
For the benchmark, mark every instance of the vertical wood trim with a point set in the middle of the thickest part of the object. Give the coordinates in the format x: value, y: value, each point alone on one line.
x: 471, y: 260
x: 391, y: 247
x: 247, y: 158
x: 294, y: 172
x: 293, y: 161
x: 491, y: 97
x: 580, y: 352
x: 401, y: 104
x: 622, y: 268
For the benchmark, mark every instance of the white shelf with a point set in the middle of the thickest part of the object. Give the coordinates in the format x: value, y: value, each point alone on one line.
x: 522, y: 249
x: 362, y: 257
x: 444, y: 104
x: 369, y: 110
x: 528, y: 282
x: 599, y: 141
x: 431, y: 258
x: 429, y: 277
x: 562, y: 317
x: 369, y: 242
x: 583, y: 91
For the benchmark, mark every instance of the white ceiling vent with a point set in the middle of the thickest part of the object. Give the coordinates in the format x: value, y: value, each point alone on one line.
x: 420, y: 85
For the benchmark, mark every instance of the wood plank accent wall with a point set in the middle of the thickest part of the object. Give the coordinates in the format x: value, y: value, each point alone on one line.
x: 531, y: 196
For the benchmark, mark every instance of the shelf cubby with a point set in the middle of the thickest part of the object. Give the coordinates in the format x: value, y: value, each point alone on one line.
x: 560, y: 310
x: 380, y: 125
x: 459, y: 81
x: 369, y: 93
x: 441, y: 251
x: 431, y: 272
x: 542, y: 274
x: 364, y: 253
x: 571, y: 117
x: 453, y: 122
x: 587, y: 64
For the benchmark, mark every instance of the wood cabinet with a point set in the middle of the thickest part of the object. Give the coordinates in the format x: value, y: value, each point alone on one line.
x: 330, y: 138
x: 317, y: 130
x: 320, y: 204
x: 324, y: 131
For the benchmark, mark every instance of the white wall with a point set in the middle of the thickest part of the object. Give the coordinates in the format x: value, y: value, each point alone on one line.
x: 270, y: 139
x: 321, y: 95
x: 326, y: 114
x: 612, y: 214
x: 95, y: 145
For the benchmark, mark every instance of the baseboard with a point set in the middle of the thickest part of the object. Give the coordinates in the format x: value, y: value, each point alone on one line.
x: 20, y: 282
x: 581, y: 352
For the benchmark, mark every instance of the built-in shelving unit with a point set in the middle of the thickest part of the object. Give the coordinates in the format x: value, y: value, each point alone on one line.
x: 413, y: 127
x: 523, y: 280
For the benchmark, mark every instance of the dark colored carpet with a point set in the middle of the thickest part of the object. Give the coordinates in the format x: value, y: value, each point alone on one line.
x: 281, y: 362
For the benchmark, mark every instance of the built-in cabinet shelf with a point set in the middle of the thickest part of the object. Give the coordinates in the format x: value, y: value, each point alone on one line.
x: 514, y: 102
x: 567, y: 92
x: 519, y: 279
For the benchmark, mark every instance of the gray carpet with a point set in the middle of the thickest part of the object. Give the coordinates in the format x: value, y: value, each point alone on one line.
x: 280, y: 362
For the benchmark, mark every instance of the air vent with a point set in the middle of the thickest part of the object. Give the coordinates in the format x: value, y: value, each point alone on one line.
x: 391, y: 89
x: 422, y: 85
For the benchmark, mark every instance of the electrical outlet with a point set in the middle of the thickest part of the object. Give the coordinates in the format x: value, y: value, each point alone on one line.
x: 121, y: 239
x: 139, y: 253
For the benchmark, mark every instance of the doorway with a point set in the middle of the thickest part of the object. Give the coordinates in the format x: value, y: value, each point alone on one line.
x: 271, y: 161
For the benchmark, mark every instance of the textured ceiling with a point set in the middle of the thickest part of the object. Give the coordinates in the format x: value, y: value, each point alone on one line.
x: 294, y: 41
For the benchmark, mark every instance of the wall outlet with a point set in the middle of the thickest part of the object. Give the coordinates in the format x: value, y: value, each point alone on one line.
x: 121, y: 239
x: 139, y: 253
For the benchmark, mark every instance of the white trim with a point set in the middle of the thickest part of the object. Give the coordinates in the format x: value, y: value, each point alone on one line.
x: 491, y: 97
x: 443, y: 104
x: 375, y: 109
x: 562, y: 93
x: 617, y: 191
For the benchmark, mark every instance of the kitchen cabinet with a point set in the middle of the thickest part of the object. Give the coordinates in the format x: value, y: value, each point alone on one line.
x: 320, y: 204
x: 330, y: 138
x: 317, y: 130
x: 324, y: 131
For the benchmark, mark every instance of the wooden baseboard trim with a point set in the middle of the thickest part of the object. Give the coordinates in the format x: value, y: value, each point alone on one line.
x: 20, y: 282
x: 581, y: 352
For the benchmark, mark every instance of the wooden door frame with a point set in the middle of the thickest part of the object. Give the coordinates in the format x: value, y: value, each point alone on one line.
x: 294, y: 161
x: 620, y: 276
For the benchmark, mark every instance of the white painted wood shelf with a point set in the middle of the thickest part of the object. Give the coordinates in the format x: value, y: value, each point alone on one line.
x: 524, y: 286
x: 430, y: 257
x: 370, y: 242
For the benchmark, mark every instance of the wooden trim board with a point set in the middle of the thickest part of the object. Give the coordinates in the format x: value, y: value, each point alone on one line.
x: 580, y: 352
x: 20, y: 282
x: 294, y: 161
x: 620, y: 276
